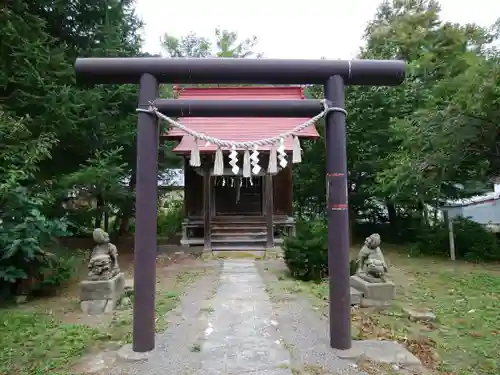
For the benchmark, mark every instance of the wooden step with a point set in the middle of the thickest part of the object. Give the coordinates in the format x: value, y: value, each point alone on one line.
x: 239, y: 234
x: 242, y: 248
x: 255, y: 229
x: 233, y: 240
x: 238, y: 222
x: 238, y: 228
x: 240, y: 219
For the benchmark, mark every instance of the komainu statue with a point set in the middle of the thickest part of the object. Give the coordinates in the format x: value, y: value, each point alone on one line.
x: 103, y: 264
x: 371, y: 262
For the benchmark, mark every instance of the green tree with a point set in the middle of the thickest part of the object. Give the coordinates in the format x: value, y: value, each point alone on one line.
x: 386, y: 161
x: 24, y: 230
x: 63, y: 126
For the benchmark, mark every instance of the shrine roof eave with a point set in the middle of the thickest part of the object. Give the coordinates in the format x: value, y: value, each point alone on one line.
x: 186, y: 144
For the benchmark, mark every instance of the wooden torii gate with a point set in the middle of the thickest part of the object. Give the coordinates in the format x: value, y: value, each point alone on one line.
x: 149, y: 72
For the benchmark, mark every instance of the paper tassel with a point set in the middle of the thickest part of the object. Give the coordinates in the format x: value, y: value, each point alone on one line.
x: 296, y: 151
x: 254, y: 158
x: 282, y: 154
x: 246, y: 164
x: 273, y: 161
x: 195, y: 160
x: 233, y: 160
x: 219, y: 163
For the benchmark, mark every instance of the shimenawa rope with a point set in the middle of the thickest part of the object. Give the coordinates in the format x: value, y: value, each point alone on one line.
x: 248, y: 160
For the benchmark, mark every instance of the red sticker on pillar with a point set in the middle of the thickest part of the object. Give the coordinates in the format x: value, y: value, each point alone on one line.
x: 336, y: 191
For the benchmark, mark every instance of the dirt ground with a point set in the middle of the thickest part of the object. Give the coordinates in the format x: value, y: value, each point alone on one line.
x: 66, y: 304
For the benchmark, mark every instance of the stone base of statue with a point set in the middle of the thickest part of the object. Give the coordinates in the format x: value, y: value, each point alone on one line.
x: 101, y: 296
x: 375, y: 293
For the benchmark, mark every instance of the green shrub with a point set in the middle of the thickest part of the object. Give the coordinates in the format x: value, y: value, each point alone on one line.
x: 306, y: 254
x: 25, y: 234
x: 473, y: 242
x: 170, y: 218
x: 62, y: 268
x: 25, y: 231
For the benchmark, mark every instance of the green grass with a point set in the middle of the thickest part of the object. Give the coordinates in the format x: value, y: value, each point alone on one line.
x: 465, y: 338
x: 35, y: 343
x: 166, y: 300
x: 39, y: 343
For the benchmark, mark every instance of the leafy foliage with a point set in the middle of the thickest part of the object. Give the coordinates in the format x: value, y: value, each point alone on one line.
x: 25, y: 231
x: 170, y: 218
x: 472, y: 241
x: 306, y: 254
x: 57, y: 135
x: 413, y: 147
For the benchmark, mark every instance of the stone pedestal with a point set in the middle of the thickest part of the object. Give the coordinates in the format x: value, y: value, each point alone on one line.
x: 374, y: 294
x: 356, y: 296
x: 101, y: 296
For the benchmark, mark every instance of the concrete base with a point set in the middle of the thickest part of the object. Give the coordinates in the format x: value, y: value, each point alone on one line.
x: 389, y: 352
x: 101, y: 296
x: 374, y: 294
x: 127, y: 354
x: 102, y: 306
x: 356, y: 296
x: 243, y: 253
x: 367, y: 302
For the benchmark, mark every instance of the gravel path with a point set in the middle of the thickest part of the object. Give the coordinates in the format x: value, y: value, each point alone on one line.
x: 233, y: 332
x: 242, y: 337
x: 174, y: 354
x: 235, y: 321
x: 304, y: 330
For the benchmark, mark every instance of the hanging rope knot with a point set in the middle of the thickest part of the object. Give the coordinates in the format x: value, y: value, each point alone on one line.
x: 144, y: 110
x: 328, y: 107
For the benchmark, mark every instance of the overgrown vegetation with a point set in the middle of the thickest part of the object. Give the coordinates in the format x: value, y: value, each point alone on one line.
x: 36, y: 343
x: 306, y: 254
x: 170, y: 218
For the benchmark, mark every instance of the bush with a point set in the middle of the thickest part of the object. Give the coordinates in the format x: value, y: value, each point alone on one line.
x: 170, y: 218
x: 473, y: 242
x: 306, y: 254
x: 25, y: 231
x: 25, y: 234
x: 403, y: 231
x: 62, y: 269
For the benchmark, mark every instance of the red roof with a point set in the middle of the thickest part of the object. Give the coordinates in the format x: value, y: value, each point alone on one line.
x: 239, y: 129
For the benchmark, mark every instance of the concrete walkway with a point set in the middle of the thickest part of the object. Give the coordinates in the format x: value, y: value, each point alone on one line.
x: 229, y: 332
x: 241, y: 337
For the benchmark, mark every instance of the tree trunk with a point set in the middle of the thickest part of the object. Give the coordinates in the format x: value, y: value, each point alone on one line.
x: 392, y: 214
x: 421, y: 210
x: 106, y: 220
x: 127, y: 209
x: 100, y: 205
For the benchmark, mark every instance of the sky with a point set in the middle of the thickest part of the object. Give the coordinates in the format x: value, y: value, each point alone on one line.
x: 285, y: 31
